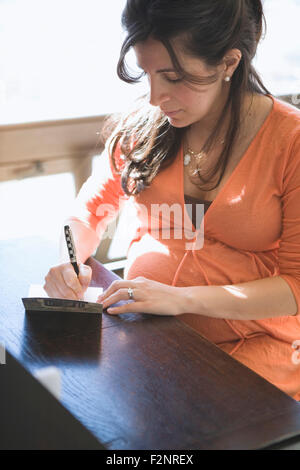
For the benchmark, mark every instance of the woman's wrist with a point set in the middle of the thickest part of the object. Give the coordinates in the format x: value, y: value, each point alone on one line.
x: 193, y: 300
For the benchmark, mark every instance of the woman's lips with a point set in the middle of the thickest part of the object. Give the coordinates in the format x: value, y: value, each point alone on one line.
x: 171, y: 113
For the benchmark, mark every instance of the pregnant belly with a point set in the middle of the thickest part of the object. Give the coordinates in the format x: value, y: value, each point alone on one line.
x: 154, y: 259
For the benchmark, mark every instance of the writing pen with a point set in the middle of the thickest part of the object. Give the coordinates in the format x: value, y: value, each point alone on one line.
x: 71, y: 248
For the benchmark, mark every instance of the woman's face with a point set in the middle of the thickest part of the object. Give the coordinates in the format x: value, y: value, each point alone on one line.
x: 183, y: 106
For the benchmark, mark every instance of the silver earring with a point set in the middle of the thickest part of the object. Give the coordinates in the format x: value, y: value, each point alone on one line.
x: 227, y: 79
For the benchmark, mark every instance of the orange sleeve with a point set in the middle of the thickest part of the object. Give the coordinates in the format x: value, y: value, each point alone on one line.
x: 289, y: 249
x: 97, y: 205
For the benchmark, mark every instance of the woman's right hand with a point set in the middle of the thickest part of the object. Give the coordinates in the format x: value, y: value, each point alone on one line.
x: 62, y: 282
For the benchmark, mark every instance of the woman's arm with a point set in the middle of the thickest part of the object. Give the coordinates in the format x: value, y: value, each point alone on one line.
x: 99, y: 201
x: 254, y: 300
x: 264, y: 298
x: 96, y: 205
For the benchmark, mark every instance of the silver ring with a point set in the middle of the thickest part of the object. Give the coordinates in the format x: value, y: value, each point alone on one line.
x: 130, y: 293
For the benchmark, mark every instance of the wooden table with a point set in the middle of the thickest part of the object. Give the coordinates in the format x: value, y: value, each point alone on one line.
x: 138, y: 381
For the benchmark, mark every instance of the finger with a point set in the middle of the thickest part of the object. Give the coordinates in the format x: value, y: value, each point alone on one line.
x: 121, y: 294
x: 49, y: 290
x: 115, y: 285
x: 66, y: 291
x: 71, y: 280
x: 55, y: 285
x: 134, y: 307
x: 53, y: 290
x: 85, y: 276
x: 51, y: 285
x: 58, y: 289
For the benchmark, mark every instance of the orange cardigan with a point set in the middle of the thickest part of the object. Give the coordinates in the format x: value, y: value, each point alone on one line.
x: 251, y: 231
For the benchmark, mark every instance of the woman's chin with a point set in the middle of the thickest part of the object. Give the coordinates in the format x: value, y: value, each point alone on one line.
x: 176, y: 122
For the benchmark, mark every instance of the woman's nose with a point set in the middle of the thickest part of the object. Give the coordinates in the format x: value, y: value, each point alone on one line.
x: 158, y: 94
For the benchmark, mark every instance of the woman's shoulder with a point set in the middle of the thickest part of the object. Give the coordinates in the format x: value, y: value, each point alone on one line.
x: 286, y: 118
x: 286, y: 136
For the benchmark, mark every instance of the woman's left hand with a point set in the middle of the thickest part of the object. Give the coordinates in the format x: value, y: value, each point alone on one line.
x: 148, y: 297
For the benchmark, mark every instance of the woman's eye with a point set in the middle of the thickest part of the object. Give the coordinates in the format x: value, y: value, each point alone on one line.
x: 173, y: 80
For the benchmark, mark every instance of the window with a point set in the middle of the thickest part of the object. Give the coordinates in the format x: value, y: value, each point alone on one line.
x: 278, y: 56
x: 60, y: 57
x: 23, y: 214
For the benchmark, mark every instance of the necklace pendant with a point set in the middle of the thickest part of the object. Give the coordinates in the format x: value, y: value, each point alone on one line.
x: 200, y: 156
x: 187, y: 159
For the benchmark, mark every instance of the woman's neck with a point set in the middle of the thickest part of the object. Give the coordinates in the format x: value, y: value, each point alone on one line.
x: 198, y: 133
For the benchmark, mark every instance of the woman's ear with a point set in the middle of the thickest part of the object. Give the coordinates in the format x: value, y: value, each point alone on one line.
x: 231, y: 61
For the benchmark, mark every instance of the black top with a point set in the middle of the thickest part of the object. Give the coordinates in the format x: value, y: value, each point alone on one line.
x: 192, y: 208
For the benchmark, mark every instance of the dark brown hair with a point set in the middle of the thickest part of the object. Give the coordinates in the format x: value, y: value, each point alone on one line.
x: 209, y: 28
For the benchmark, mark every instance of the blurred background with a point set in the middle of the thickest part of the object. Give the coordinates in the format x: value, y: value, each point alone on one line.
x: 57, y: 81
